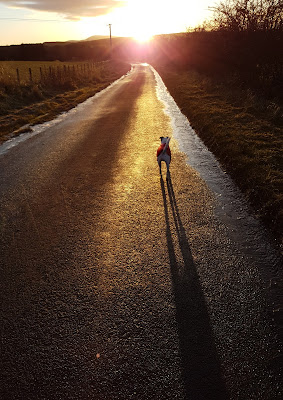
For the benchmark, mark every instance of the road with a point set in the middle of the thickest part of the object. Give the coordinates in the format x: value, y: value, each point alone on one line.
x: 118, y: 284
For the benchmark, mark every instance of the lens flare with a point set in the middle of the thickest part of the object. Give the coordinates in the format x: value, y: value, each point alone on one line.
x: 142, y: 37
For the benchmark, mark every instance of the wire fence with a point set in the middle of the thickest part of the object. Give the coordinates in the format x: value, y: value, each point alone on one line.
x: 45, y: 74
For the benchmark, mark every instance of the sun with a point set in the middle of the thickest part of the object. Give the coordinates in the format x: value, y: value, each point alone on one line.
x: 142, y: 37
x: 140, y: 20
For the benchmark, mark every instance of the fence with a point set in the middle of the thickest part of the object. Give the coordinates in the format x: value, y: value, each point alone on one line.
x: 56, y: 74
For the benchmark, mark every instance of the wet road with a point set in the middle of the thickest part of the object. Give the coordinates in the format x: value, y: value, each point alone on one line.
x: 116, y: 284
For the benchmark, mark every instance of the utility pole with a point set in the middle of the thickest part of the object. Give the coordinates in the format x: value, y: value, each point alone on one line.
x: 110, y: 40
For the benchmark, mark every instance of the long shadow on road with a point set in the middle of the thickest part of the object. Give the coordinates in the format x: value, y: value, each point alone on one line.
x: 200, y: 364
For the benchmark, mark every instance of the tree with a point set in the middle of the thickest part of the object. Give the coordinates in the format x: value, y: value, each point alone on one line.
x: 248, y: 15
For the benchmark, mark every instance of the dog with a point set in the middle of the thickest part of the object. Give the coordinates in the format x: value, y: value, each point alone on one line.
x: 164, y: 154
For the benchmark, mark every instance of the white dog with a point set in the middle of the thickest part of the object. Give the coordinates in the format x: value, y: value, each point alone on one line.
x: 164, y: 154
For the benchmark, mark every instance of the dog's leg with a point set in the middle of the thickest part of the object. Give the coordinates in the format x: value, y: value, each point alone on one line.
x: 159, y: 164
x: 168, y: 172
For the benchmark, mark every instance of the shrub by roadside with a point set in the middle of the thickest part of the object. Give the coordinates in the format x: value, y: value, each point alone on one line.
x: 243, y: 131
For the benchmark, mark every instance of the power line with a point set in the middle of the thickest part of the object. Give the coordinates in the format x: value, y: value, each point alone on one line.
x: 32, y: 19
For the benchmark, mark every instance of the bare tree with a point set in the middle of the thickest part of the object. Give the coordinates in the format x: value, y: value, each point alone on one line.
x: 248, y: 15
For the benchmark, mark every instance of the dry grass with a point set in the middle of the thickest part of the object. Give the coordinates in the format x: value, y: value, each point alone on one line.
x: 8, y: 70
x: 28, y: 103
x: 243, y: 131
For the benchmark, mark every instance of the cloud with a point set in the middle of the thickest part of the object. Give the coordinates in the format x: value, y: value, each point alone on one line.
x: 71, y: 9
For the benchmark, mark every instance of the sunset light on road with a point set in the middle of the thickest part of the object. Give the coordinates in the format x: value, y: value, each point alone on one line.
x: 141, y: 212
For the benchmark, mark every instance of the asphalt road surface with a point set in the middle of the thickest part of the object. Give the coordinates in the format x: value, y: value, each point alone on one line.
x: 118, y: 284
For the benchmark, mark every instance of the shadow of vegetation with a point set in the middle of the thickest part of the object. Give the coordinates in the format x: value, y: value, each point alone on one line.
x: 200, y: 363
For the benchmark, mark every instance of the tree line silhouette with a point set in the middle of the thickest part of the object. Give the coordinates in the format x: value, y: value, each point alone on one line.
x: 97, y: 50
x: 248, y: 15
x: 243, y: 41
x: 253, y: 59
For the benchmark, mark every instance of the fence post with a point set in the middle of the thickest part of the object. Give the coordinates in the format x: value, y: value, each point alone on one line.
x: 18, y: 75
x: 30, y: 75
x: 40, y: 71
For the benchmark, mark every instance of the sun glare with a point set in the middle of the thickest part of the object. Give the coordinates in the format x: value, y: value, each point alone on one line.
x: 142, y: 20
x: 143, y: 37
x: 139, y: 19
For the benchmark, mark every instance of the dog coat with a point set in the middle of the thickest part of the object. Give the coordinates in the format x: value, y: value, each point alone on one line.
x: 161, y: 148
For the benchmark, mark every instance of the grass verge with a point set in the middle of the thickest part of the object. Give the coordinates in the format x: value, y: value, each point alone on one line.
x: 243, y: 131
x: 22, y: 106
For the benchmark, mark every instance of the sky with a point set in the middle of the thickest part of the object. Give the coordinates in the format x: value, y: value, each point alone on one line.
x: 38, y: 21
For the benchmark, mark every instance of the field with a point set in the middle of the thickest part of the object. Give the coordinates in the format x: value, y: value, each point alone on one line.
x: 52, y: 88
x: 53, y: 73
x: 24, y: 72
x: 243, y: 130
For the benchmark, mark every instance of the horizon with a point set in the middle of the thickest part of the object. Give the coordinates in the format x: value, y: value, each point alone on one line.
x: 40, y: 21
x: 94, y: 38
